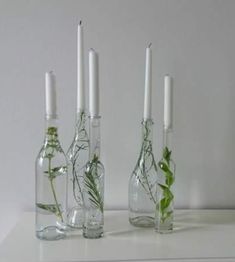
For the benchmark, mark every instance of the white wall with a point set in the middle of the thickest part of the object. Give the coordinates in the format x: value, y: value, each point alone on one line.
x: 194, y: 41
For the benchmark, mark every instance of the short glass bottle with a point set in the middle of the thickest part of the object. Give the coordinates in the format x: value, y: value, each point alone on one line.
x: 78, y: 155
x: 166, y: 177
x: 93, y: 186
x: 142, y: 183
x: 51, y: 186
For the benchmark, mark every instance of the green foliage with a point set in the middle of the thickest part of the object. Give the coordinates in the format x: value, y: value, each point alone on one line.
x: 51, y: 147
x: 91, y: 185
x: 167, y: 155
x: 56, y: 171
x: 167, y: 196
x: 49, y: 207
x: 52, y: 131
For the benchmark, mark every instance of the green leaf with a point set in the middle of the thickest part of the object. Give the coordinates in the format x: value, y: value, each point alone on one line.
x: 164, y: 203
x: 59, y: 169
x: 90, y: 184
x: 56, y: 171
x: 169, y: 178
x: 163, y: 166
x: 49, y: 207
x: 163, y: 187
x: 167, y: 193
x: 167, y: 155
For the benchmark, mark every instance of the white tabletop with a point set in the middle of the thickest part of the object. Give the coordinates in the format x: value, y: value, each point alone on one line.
x: 199, y: 235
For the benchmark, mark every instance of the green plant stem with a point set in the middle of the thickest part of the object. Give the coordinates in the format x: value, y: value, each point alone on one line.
x: 53, y: 190
x: 56, y: 202
x: 146, y: 151
x: 80, y: 129
x: 75, y: 178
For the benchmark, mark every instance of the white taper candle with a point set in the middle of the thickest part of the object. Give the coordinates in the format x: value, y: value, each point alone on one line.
x: 50, y: 84
x: 80, y: 70
x: 168, y: 102
x: 148, y: 85
x: 93, y: 84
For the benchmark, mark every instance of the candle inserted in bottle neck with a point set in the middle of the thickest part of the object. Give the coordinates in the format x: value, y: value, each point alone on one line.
x: 168, y: 102
x: 80, y: 70
x: 148, y: 84
x: 93, y: 84
x: 50, y: 84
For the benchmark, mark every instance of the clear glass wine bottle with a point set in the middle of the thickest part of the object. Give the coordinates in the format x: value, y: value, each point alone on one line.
x: 78, y: 155
x: 142, y: 183
x: 166, y: 177
x: 93, y: 190
x: 51, y: 186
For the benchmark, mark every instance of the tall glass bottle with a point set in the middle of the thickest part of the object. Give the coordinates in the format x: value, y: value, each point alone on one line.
x: 78, y: 157
x: 51, y: 175
x: 93, y: 183
x: 142, y: 183
x: 78, y: 154
x: 166, y: 176
x: 94, y: 186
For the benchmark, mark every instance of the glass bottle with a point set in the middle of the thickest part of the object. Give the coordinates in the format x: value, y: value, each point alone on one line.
x: 51, y: 175
x: 166, y: 177
x: 77, y: 156
x: 93, y: 190
x: 142, y: 183
x: 51, y: 186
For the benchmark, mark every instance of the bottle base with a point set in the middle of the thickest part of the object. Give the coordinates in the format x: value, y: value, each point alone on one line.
x: 93, y: 232
x: 51, y: 233
x: 75, y: 218
x: 142, y: 221
x: 164, y: 229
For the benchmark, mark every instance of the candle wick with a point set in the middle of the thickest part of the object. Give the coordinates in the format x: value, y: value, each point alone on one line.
x: 149, y: 45
x: 80, y: 23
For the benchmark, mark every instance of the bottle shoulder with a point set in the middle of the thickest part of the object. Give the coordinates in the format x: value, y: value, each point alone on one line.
x: 51, y: 151
x: 78, y: 144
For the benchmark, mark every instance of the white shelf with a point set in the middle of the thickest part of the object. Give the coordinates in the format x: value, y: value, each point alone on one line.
x: 199, y: 235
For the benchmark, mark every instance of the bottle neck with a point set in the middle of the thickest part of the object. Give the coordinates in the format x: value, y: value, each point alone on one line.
x: 167, y: 139
x: 80, y: 122
x: 147, y: 129
x: 51, y: 130
x: 147, y: 134
x: 94, y: 149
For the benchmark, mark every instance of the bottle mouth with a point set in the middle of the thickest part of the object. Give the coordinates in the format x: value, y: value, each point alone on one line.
x: 147, y: 120
x: 51, y: 116
x: 167, y: 128
x: 94, y: 117
x: 81, y: 111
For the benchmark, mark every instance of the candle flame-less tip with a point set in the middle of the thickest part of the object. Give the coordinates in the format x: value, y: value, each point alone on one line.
x: 80, y: 22
x: 150, y: 44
